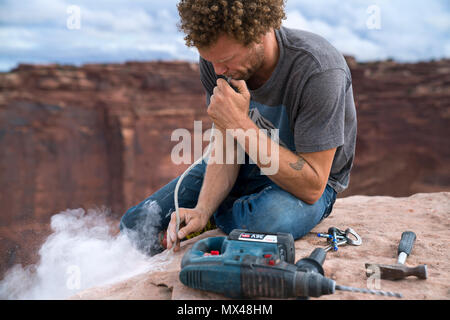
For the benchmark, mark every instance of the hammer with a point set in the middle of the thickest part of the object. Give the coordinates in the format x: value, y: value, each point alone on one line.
x: 399, y: 270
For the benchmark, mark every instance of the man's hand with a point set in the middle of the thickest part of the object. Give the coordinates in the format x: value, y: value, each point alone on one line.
x: 228, y: 108
x: 195, y: 220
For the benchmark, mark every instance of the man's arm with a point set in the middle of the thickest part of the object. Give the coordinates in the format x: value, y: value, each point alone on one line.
x: 304, y: 175
x: 218, y: 181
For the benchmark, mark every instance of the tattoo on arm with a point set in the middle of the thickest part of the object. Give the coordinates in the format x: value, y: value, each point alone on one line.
x: 299, y: 164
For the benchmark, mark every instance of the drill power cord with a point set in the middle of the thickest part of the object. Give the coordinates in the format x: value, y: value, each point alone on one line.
x: 199, y: 160
x: 177, y: 186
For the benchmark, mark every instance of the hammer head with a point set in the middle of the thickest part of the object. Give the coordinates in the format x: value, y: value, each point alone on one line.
x: 396, y: 271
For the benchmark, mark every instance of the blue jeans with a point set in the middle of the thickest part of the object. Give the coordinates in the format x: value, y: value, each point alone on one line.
x: 255, y: 203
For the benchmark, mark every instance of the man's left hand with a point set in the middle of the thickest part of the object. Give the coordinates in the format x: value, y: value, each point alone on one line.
x: 228, y: 108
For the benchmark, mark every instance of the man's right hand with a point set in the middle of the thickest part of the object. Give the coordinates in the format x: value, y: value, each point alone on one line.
x: 194, y: 219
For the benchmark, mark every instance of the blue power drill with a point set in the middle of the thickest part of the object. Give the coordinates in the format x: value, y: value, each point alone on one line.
x: 256, y: 264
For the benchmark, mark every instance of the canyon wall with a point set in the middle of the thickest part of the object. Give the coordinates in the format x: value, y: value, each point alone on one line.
x: 100, y: 135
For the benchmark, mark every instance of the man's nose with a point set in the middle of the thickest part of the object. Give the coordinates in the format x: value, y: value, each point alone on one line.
x: 220, y: 68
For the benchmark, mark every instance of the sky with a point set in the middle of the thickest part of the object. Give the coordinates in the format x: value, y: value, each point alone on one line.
x: 76, y: 32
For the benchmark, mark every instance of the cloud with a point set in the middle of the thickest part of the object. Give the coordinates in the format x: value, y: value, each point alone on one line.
x: 342, y: 37
x: 110, y: 31
x: 409, y: 30
x: 36, y: 31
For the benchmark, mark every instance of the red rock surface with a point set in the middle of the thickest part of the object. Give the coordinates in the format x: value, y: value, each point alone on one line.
x: 97, y: 135
x: 379, y: 220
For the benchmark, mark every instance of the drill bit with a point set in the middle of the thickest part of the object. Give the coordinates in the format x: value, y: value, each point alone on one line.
x: 377, y: 292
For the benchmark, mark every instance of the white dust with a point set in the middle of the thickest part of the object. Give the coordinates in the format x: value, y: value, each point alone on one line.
x: 83, y: 251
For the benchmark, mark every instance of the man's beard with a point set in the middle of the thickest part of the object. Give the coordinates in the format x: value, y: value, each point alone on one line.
x: 256, y: 59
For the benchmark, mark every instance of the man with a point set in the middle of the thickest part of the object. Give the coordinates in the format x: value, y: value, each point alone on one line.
x: 291, y: 80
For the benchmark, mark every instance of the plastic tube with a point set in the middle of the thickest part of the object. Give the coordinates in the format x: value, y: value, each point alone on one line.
x: 177, y: 186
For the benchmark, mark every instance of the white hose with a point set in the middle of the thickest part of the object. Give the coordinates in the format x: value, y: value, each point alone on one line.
x: 177, y: 186
x: 175, y: 195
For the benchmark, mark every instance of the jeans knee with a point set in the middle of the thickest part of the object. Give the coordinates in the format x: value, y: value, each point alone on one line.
x: 128, y: 220
x: 281, y: 212
x: 277, y: 223
x: 142, y: 225
x: 144, y: 216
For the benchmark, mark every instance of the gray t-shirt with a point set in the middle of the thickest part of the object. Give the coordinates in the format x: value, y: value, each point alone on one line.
x: 308, y: 97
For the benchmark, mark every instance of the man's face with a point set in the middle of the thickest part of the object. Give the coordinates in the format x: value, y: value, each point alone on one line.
x: 232, y: 59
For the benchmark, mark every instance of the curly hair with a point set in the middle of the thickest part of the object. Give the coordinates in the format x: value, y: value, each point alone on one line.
x: 203, y: 21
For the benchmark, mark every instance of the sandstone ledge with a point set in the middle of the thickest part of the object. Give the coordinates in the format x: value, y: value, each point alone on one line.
x: 379, y: 220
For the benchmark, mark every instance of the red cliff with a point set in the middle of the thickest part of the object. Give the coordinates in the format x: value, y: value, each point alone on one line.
x: 99, y: 135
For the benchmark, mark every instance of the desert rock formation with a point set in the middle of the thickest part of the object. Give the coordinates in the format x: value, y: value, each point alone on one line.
x: 100, y: 135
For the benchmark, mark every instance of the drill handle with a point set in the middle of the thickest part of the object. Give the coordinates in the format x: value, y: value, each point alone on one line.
x: 314, y: 262
x: 318, y: 255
